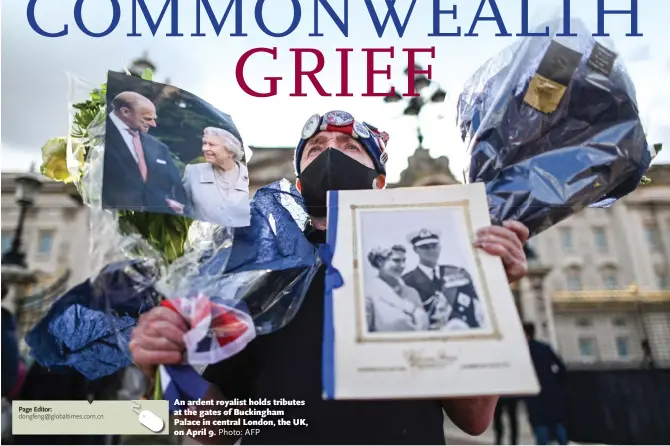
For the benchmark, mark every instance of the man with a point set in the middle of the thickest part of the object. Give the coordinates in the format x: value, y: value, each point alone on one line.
x: 509, y: 405
x: 647, y: 357
x: 335, y: 153
x: 11, y: 359
x: 546, y: 411
x: 139, y: 173
x: 447, y: 292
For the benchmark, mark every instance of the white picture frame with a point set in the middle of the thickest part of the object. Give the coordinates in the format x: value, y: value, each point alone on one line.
x: 405, y: 357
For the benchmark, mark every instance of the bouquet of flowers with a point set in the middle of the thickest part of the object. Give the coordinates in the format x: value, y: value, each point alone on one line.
x: 552, y: 126
x: 229, y: 284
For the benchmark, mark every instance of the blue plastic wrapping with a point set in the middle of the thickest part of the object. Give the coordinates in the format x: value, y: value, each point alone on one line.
x: 91, y: 334
x: 271, y: 262
x: 552, y: 126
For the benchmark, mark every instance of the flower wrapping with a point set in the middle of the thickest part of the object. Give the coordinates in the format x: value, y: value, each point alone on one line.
x: 552, y: 127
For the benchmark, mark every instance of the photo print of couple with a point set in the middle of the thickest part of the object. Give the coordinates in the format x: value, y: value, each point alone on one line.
x: 414, y: 283
x: 168, y: 151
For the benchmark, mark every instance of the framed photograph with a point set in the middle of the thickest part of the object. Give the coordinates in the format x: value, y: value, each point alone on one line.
x: 421, y: 312
x: 168, y: 151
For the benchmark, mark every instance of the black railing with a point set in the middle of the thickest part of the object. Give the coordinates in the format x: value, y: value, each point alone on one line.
x: 619, y: 406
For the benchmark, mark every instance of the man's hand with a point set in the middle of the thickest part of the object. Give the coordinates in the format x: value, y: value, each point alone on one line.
x: 158, y: 339
x: 507, y: 243
x: 472, y: 415
x: 175, y: 206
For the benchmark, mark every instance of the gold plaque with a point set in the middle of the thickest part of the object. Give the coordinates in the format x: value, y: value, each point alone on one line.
x: 544, y: 94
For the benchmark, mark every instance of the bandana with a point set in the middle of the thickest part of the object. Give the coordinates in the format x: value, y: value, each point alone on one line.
x: 369, y: 136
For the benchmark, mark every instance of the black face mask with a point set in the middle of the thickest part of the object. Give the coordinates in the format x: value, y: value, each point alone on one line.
x: 332, y: 170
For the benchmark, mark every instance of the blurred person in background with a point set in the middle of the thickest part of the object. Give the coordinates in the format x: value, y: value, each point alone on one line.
x: 11, y: 359
x: 218, y: 189
x: 647, y: 358
x: 13, y: 368
x: 509, y: 405
x: 546, y: 411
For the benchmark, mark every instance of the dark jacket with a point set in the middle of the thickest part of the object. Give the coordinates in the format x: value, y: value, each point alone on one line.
x: 10, y: 353
x: 452, y: 282
x: 549, y: 406
x: 123, y: 187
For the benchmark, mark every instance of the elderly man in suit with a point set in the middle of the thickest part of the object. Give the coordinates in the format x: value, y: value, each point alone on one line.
x: 218, y: 189
x: 139, y: 173
x: 447, y: 292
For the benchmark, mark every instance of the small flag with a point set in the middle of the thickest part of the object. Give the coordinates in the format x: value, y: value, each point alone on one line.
x: 218, y: 331
x: 183, y: 383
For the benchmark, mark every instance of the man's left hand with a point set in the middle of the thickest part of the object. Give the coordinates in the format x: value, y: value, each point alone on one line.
x: 506, y: 242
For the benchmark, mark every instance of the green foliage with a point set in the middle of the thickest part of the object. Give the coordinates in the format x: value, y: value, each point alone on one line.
x: 87, y: 113
x: 166, y: 233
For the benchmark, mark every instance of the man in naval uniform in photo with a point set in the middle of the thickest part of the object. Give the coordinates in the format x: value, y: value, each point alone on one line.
x: 447, y: 292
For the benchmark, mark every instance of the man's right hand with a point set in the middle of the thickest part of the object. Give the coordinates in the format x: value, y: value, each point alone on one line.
x: 175, y: 206
x: 158, y: 339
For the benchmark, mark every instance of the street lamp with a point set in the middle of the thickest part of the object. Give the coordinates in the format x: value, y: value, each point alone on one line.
x: 416, y: 103
x: 27, y: 187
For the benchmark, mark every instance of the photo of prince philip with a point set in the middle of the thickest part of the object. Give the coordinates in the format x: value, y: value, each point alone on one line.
x: 448, y: 292
x: 139, y: 172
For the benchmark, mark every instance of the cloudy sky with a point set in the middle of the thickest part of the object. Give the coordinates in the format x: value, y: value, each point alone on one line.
x: 35, y: 89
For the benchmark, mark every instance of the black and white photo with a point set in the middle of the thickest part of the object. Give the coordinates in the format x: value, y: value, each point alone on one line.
x: 418, y: 284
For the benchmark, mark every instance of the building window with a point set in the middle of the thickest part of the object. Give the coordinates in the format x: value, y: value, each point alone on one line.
x: 600, y: 238
x: 622, y: 346
x: 619, y: 321
x: 7, y: 238
x: 610, y: 280
x: 587, y: 347
x: 583, y: 322
x: 566, y: 238
x: 46, y: 239
x: 574, y: 280
x: 653, y: 236
x: 662, y: 280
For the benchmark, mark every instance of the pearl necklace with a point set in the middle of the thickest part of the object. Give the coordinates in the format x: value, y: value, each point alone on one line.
x: 222, y: 184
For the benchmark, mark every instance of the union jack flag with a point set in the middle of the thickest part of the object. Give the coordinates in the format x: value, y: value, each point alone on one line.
x: 218, y: 331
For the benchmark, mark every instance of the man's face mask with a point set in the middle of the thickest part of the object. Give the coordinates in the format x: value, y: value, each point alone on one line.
x: 332, y: 170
